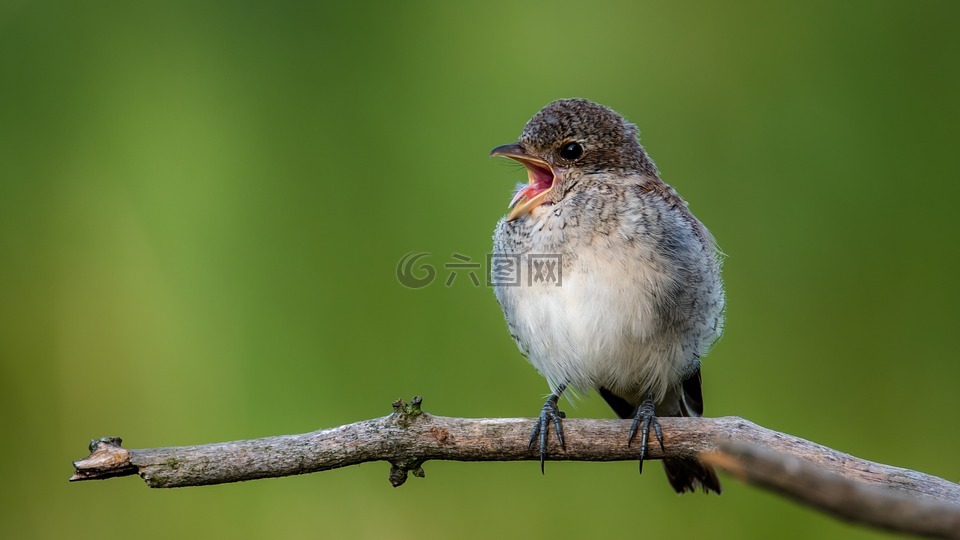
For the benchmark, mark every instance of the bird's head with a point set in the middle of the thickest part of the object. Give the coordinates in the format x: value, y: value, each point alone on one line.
x: 566, y: 141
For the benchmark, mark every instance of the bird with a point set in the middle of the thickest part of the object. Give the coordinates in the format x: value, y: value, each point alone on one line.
x: 606, y: 279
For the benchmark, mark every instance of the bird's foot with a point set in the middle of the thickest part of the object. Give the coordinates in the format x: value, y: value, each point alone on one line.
x: 550, y: 413
x: 644, y: 420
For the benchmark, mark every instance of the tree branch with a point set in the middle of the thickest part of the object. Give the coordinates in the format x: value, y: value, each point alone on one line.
x: 843, y: 485
x: 886, y: 497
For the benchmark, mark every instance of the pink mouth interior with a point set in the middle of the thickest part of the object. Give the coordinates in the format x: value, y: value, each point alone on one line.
x: 541, y: 179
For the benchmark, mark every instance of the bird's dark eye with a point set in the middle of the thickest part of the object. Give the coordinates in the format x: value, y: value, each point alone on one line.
x: 571, y: 151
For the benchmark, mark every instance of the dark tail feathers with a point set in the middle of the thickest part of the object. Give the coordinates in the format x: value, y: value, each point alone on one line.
x: 688, y: 474
x: 684, y: 474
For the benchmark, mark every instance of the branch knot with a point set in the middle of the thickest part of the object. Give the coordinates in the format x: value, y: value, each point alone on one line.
x: 400, y: 468
x: 405, y: 413
x: 107, y: 459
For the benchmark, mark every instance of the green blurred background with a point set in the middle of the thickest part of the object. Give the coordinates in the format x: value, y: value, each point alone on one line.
x: 202, y: 206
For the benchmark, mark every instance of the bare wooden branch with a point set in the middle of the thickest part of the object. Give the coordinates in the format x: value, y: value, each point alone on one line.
x: 842, y: 484
x: 875, y: 503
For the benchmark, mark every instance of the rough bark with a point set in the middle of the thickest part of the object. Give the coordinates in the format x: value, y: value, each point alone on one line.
x: 848, y: 487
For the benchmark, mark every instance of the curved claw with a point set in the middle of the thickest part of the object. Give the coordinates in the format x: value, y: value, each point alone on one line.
x: 550, y: 413
x: 644, y: 420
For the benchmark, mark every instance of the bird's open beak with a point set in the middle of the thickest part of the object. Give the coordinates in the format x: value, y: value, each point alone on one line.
x: 538, y: 171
